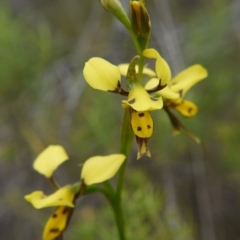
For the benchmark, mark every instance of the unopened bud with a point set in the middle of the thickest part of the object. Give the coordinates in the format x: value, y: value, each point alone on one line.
x: 140, y: 21
x: 115, y: 7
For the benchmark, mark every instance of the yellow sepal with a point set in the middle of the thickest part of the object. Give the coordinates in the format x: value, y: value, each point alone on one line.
x: 101, y: 74
x: 57, y: 223
x: 101, y: 168
x: 49, y: 160
x: 62, y: 197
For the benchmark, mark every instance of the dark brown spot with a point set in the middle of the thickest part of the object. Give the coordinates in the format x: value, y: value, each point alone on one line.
x: 54, y: 230
x: 118, y: 84
x: 141, y: 114
x: 139, y: 129
x: 132, y: 101
x: 148, y: 126
x: 190, y: 110
x: 181, y: 93
x: 65, y: 210
x: 54, y: 215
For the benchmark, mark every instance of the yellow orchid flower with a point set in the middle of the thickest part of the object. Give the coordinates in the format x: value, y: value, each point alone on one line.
x: 175, y: 92
x: 49, y: 160
x: 102, y: 75
x: 95, y: 170
x: 178, y: 87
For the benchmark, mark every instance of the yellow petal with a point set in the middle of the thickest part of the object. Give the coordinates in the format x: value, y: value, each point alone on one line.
x: 123, y: 68
x: 187, y: 78
x: 165, y: 92
x: 62, y: 197
x: 101, y: 74
x: 142, y: 124
x: 152, y: 83
x: 149, y: 72
x: 57, y: 223
x: 141, y: 101
x: 49, y: 160
x: 162, y: 68
x: 186, y: 108
x: 168, y: 93
x: 101, y: 168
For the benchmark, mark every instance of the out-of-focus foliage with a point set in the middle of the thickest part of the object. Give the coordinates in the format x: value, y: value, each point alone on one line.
x: 44, y: 100
x: 24, y: 53
x: 144, y: 212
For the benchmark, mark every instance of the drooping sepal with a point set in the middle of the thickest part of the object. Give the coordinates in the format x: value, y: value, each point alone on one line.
x: 186, y: 108
x: 57, y: 222
x: 177, y: 126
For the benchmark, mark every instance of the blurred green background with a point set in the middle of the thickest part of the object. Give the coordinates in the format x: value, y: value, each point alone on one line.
x: 185, y: 191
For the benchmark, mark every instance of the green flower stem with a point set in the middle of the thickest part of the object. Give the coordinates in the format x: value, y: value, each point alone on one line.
x: 139, y: 48
x: 140, y: 70
x: 125, y: 146
x: 136, y: 43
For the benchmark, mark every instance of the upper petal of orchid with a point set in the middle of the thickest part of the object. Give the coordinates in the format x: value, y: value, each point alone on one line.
x: 165, y: 92
x: 101, y: 168
x: 162, y: 69
x: 124, y: 68
x: 141, y: 101
x: 101, y: 74
x: 49, y: 160
x: 62, y: 197
x: 183, y: 81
